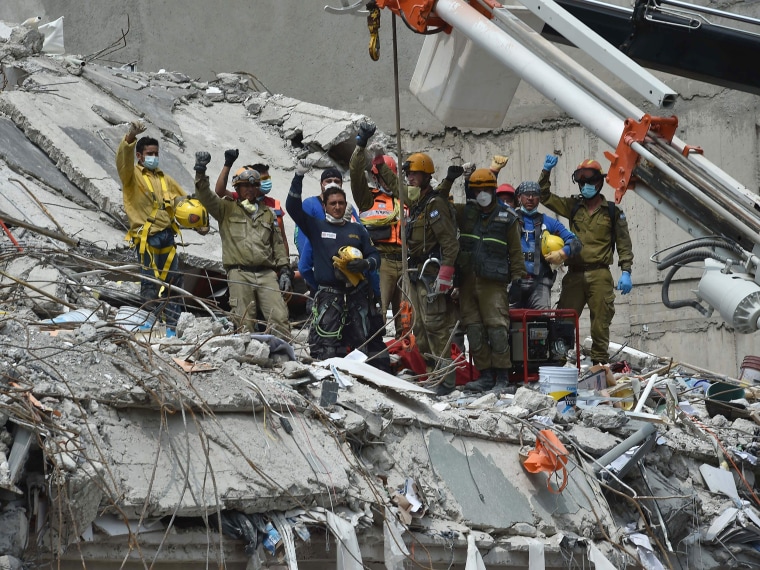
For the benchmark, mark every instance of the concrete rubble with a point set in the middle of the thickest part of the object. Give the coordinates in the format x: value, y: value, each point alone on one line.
x: 121, y: 447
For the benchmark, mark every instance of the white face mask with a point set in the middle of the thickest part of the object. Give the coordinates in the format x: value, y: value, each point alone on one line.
x: 250, y: 207
x: 336, y: 221
x: 484, y: 199
x: 150, y: 162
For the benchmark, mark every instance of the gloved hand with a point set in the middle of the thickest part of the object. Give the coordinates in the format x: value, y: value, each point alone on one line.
x: 285, y: 280
x: 454, y: 172
x: 625, y: 284
x: 358, y: 265
x: 230, y: 156
x: 498, y: 163
x: 550, y: 162
x: 515, y: 292
x: 135, y: 128
x: 469, y: 168
x: 556, y: 257
x: 376, y: 149
x: 202, y: 158
x: 203, y: 230
x: 366, y: 130
x: 445, y: 280
x: 302, y: 167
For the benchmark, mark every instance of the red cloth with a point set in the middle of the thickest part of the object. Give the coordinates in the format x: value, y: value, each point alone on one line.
x: 466, y: 372
x: 409, y: 355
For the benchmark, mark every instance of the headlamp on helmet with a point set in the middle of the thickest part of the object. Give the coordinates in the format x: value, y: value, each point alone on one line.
x: 246, y: 175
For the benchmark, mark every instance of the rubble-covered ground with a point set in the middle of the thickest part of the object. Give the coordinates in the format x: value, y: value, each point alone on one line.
x: 124, y: 448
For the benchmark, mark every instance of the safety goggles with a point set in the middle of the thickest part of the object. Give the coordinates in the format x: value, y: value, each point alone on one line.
x: 247, y: 177
x: 587, y: 176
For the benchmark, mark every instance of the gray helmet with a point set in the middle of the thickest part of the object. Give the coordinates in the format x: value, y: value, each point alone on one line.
x: 528, y: 187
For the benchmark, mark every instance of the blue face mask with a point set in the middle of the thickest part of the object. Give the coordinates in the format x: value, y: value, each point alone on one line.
x: 524, y: 209
x: 150, y: 162
x: 588, y: 191
x: 266, y: 186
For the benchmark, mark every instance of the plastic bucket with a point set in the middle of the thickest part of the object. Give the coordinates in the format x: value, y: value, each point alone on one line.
x: 132, y: 318
x: 561, y: 383
x: 750, y: 371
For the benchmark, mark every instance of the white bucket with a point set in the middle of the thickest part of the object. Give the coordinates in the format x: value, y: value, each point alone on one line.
x: 132, y: 318
x: 561, y: 383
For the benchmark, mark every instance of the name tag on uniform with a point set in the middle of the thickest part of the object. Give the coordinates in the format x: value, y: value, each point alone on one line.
x: 329, y: 235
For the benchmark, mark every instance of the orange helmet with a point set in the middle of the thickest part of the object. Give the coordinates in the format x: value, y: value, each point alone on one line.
x: 419, y: 162
x: 389, y: 161
x: 482, y: 178
x: 246, y: 175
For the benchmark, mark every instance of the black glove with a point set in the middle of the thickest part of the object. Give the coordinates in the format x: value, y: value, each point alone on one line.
x: 202, y: 158
x: 454, y: 172
x: 516, y: 292
x: 230, y: 156
x: 366, y: 130
x: 358, y: 265
x: 285, y: 281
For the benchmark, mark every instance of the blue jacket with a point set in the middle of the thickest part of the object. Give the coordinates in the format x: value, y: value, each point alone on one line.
x: 553, y: 226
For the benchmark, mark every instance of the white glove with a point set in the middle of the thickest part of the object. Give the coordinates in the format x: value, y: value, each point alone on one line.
x: 498, y: 163
x: 376, y: 149
x: 469, y: 168
x: 136, y: 127
x: 302, y: 167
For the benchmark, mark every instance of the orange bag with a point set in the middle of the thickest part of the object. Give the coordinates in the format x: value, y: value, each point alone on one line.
x: 550, y: 456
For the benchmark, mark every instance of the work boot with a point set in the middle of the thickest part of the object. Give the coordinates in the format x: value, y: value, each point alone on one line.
x: 502, y: 385
x: 486, y: 382
x: 449, y: 383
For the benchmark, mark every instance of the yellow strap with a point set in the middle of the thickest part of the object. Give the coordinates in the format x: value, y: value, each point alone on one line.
x: 152, y: 252
x: 373, y: 24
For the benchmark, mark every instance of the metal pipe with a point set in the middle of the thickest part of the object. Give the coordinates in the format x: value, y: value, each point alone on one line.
x: 623, y: 446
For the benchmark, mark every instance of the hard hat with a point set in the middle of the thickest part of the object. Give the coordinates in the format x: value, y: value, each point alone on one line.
x: 506, y: 189
x: 349, y: 253
x: 550, y: 242
x: 345, y: 254
x: 390, y: 162
x: 483, y: 178
x: 594, y: 177
x: 419, y: 162
x: 246, y: 175
x: 190, y: 213
x: 528, y: 187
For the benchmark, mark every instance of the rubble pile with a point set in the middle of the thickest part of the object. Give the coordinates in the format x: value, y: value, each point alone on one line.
x: 122, y: 446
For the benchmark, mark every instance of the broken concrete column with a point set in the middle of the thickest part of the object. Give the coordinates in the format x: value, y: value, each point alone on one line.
x: 14, y: 531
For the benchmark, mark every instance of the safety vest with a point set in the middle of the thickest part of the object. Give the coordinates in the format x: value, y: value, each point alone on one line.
x: 483, y: 247
x: 382, y: 220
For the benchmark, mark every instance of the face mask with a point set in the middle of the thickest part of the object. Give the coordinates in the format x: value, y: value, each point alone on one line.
x: 250, y: 207
x: 413, y: 192
x: 335, y: 221
x: 589, y: 191
x: 524, y: 209
x: 266, y: 186
x: 150, y: 162
x: 484, y: 199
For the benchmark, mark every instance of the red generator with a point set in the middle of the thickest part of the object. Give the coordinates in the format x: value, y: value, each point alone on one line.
x: 541, y: 338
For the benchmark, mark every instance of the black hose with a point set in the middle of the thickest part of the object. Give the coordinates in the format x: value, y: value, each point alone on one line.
x: 713, y: 241
x: 679, y: 304
x: 683, y: 257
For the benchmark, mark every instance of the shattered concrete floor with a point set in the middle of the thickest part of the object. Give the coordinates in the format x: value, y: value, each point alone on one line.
x: 123, y: 448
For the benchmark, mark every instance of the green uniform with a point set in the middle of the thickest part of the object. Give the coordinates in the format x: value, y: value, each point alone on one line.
x: 252, y: 254
x: 432, y: 232
x: 588, y: 280
x: 490, y: 256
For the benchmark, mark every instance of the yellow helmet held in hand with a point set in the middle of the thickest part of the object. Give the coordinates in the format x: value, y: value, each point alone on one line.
x: 550, y: 242
x: 345, y: 254
x: 419, y: 162
x: 190, y: 213
x: 482, y: 178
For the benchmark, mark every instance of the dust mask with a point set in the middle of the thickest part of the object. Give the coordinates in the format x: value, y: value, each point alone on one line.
x: 588, y: 191
x: 484, y: 199
x: 266, y: 186
x: 249, y: 207
x: 334, y: 221
x: 413, y: 192
x: 529, y: 212
x: 150, y: 162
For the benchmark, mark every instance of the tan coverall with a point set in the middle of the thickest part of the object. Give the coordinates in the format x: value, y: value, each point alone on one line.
x: 588, y: 280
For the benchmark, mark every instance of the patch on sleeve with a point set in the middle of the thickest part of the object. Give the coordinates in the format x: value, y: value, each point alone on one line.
x: 434, y: 214
x: 328, y: 235
x: 622, y: 215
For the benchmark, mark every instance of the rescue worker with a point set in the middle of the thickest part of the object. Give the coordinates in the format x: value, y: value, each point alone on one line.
x: 253, y: 253
x: 601, y: 226
x: 498, y: 162
x: 506, y: 193
x: 149, y: 196
x: 380, y: 212
x: 230, y: 156
x: 490, y: 257
x: 432, y: 248
x: 535, y: 290
x: 345, y: 316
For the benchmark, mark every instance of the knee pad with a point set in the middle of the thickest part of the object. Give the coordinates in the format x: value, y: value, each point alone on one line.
x: 476, y: 336
x: 498, y: 338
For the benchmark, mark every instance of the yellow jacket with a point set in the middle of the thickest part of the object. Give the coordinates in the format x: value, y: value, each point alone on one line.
x: 138, y: 198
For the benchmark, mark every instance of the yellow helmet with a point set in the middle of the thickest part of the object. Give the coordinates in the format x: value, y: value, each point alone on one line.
x: 419, y: 162
x: 246, y: 175
x: 550, y: 242
x: 345, y: 254
x: 483, y: 178
x: 190, y: 213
